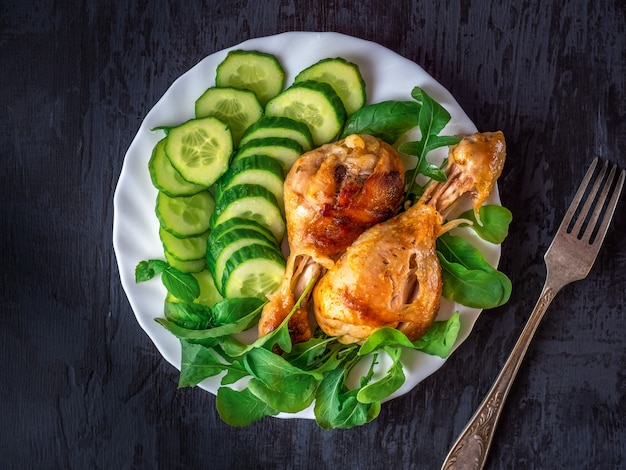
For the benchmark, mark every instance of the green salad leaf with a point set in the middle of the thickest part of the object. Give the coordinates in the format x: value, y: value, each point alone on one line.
x: 433, y: 118
x: 197, y: 363
x: 241, y: 408
x: 467, y: 277
x: 387, y: 120
x: 494, y: 222
x: 181, y: 285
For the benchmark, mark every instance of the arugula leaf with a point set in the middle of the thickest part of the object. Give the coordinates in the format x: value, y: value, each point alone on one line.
x: 392, y: 381
x: 382, y: 338
x: 181, y: 285
x: 235, y: 372
x: 241, y: 408
x: 308, y: 354
x: 433, y: 118
x: 285, y: 399
x: 217, y: 332
x: 440, y: 337
x: 231, y: 310
x: 279, y: 337
x: 354, y: 413
x: 338, y: 407
x: 197, y: 363
x: 328, y: 399
x: 146, y: 270
x: 189, y: 315
x: 495, y: 222
x: 272, y: 369
x: 387, y: 120
x: 467, y: 277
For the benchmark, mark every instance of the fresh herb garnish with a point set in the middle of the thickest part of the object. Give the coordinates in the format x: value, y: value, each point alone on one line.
x: 181, y: 285
x: 433, y: 118
x: 494, y: 222
x: 387, y: 120
x: 467, y: 277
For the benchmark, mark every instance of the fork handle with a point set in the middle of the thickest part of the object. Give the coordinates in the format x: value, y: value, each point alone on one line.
x: 471, y: 448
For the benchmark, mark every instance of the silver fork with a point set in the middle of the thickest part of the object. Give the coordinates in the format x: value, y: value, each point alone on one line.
x: 569, y: 258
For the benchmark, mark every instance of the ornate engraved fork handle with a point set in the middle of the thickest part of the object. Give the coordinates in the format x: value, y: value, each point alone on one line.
x: 471, y: 449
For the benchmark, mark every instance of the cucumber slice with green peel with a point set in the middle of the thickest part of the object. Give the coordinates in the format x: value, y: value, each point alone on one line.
x: 345, y: 78
x: 216, y: 245
x: 185, y: 216
x: 220, y: 250
x: 256, y: 169
x: 200, y: 149
x: 252, y: 70
x: 283, y: 149
x: 316, y: 104
x: 253, y: 271
x: 237, y: 108
x: 279, y: 126
x: 250, y: 201
x: 237, y: 223
x: 184, y: 249
x: 191, y: 266
x: 209, y: 295
x: 165, y: 177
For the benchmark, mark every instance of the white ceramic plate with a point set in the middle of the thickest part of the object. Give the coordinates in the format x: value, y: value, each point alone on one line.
x: 135, y: 227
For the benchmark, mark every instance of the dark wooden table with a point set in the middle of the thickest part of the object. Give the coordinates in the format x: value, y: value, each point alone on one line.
x: 82, y: 386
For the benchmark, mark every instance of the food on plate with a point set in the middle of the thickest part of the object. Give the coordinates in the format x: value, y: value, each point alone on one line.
x: 474, y: 166
x: 391, y: 276
x: 244, y: 172
x: 332, y: 194
x: 256, y: 71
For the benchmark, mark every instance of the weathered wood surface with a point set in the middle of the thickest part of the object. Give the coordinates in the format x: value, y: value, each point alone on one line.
x: 83, y: 387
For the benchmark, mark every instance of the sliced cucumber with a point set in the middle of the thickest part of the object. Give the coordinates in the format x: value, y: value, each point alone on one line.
x: 200, y: 149
x: 237, y: 108
x: 256, y: 169
x: 253, y: 271
x: 237, y: 223
x: 185, y: 216
x: 250, y: 201
x: 184, y: 249
x: 252, y: 70
x: 209, y: 295
x: 165, y: 177
x: 279, y: 126
x: 283, y: 149
x: 220, y: 250
x: 191, y: 266
x: 345, y: 78
x: 315, y: 104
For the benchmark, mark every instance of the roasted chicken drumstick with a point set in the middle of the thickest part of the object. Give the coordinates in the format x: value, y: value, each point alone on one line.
x: 332, y: 195
x: 391, y: 276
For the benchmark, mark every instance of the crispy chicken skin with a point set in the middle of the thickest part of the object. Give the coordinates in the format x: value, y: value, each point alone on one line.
x: 391, y: 275
x: 332, y: 194
x: 474, y: 166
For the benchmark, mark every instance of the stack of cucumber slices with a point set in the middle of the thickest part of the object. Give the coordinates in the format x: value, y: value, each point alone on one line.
x: 220, y: 175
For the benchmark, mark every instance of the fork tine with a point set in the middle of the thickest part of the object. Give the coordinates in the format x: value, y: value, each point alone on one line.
x: 610, y: 208
x: 578, y: 196
x: 597, y: 210
x: 589, y: 201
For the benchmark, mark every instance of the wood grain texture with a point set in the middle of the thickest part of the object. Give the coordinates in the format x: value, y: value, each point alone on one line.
x: 83, y: 387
